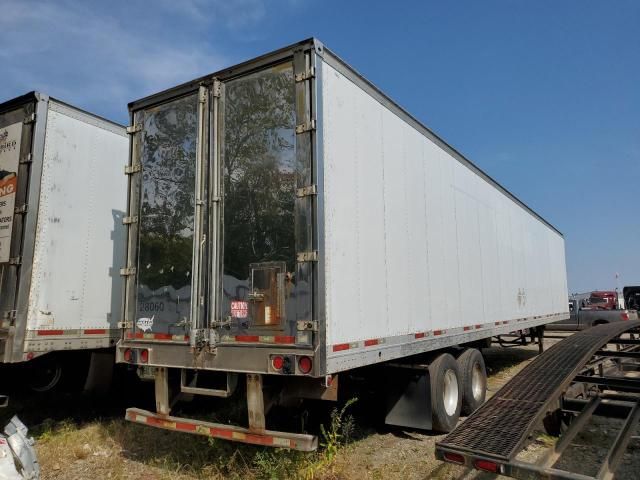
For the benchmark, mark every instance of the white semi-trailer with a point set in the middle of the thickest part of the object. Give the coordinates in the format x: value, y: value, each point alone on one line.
x: 62, y: 202
x: 294, y: 223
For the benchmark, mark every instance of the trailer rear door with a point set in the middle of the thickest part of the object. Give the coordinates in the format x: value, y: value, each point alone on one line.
x: 167, y: 153
x: 16, y: 127
x: 259, y: 183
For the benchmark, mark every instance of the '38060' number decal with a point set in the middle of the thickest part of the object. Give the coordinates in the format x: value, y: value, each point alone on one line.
x: 151, y: 307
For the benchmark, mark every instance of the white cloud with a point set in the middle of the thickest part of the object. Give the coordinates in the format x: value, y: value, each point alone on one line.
x: 102, y: 55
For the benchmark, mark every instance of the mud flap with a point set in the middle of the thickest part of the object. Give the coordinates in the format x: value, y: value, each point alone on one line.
x: 17, y: 455
x: 100, y: 373
x: 409, y: 403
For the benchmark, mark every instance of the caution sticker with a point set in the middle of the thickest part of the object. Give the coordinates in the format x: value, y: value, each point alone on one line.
x: 239, y: 309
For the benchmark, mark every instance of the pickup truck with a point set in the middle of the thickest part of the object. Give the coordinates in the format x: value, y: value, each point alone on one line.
x: 585, y: 317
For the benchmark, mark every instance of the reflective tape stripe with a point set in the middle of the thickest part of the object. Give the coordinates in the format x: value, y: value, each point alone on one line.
x: 157, y: 336
x: 247, y: 338
x: 73, y: 332
x: 95, y: 331
x: 341, y: 347
x: 44, y: 333
x: 217, y: 432
x: 421, y: 336
x: 276, y: 339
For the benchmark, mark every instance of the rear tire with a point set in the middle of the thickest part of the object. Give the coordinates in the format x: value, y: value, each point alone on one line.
x: 446, y: 394
x: 473, y: 380
x: 45, y: 375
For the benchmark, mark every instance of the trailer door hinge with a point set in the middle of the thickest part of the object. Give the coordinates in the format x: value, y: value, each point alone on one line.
x: 15, y: 261
x: 129, y: 220
x: 9, y: 315
x: 306, y: 191
x: 307, y: 325
x: 302, y: 76
x: 20, y: 210
x: 28, y: 158
x: 216, y: 89
x: 306, y: 127
x: 30, y: 119
x: 128, y: 271
x: 307, y: 256
x: 125, y: 324
x: 131, y: 169
x: 131, y: 129
x: 202, y: 95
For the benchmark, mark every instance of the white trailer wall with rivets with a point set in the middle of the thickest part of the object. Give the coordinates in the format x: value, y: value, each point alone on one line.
x: 419, y: 244
x: 69, y: 293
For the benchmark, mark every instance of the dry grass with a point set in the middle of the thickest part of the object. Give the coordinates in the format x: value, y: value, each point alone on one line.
x: 85, y: 443
x: 116, y: 449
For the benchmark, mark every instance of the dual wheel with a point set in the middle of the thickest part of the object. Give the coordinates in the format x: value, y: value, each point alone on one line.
x: 458, y: 386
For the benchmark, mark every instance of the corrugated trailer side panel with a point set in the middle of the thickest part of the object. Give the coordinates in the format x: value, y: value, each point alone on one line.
x: 76, y: 288
x: 416, y: 242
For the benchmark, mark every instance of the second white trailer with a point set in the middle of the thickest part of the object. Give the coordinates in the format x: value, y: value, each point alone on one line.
x: 61, y: 238
x: 296, y: 224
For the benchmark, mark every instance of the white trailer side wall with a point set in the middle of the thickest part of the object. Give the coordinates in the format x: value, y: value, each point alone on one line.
x: 416, y: 241
x: 76, y: 286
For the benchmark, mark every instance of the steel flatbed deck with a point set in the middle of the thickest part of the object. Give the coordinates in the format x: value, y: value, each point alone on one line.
x: 492, y: 437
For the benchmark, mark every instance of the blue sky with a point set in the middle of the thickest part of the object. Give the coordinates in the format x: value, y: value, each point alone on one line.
x: 542, y: 95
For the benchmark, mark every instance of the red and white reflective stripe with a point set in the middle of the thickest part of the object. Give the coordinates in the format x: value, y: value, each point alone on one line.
x: 157, y: 336
x: 272, y: 339
x: 51, y: 332
x: 419, y: 336
x: 345, y: 346
x: 48, y: 333
x: 211, y: 431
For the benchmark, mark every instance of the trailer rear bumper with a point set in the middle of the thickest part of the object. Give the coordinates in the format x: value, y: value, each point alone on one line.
x: 268, y: 438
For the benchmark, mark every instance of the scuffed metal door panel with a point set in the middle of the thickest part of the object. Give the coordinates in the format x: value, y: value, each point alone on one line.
x: 79, y: 240
x: 165, y: 251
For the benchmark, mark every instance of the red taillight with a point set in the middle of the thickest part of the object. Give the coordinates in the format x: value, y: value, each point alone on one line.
x: 277, y: 362
x: 487, y: 466
x: 624, y: 316
x: 305, y: 364
x: 454, y: 457
x: 144, y: 356
x: 128, y: 355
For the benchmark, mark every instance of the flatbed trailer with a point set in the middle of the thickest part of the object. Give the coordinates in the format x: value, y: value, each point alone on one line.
x: 591, y: 373
x: 294, y: 224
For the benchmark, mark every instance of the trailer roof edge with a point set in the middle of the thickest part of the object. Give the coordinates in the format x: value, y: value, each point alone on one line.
x: 37, y: 96
x: 403, y: 113
x: 328, y: 54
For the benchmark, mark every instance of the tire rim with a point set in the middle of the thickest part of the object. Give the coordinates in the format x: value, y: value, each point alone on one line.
x: 47, y: 378
x: 477, y: 382
x: 450, y: 392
